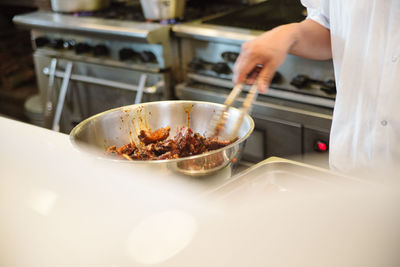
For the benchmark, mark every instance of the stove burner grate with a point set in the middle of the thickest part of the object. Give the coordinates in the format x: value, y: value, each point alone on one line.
x: 263, y: 16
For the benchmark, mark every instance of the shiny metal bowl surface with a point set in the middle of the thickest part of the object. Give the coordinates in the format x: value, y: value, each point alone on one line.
x: 122, y: 125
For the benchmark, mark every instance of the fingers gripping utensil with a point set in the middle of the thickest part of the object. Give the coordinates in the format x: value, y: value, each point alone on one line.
x: 246, y: 108
x: 220, y: 118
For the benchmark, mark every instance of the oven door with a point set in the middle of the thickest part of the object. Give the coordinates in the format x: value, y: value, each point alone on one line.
x: 74, y: 90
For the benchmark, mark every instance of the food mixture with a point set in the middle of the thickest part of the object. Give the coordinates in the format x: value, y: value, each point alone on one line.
x: 156, y: 145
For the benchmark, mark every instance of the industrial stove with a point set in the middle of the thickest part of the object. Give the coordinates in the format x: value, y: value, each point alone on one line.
x: 293, y: 118
x: 89, y: 62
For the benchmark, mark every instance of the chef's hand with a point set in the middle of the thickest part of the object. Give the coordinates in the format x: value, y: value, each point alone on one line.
x: 268, y: 51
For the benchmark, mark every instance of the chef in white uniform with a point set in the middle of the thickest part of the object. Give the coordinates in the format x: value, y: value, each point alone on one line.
x: 363, y: 39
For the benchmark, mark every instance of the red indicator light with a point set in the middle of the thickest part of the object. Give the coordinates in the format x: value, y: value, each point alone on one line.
x: 322, y: 146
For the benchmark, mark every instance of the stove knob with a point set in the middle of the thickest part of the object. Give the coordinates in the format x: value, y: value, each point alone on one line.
x: 148, y: 57
x: 100, y: 50
x: 127, y: 54
x: 221, y: 68
x: 277, y: 78
x: 81, y: 48
x: 41, y: 41
x: 330, y: 91
x: 329, y: 87
x: 299, y: 81
x: 330, y: 83
x: 69, y: 44
x: 197, y: 64
x: 230, y: 56
x: 57, y: 43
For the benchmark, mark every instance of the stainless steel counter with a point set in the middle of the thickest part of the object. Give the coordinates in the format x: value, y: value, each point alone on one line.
x: 222, y: 34
x: 51, y: 21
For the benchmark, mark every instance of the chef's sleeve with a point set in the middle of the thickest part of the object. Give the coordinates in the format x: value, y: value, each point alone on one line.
x: 318, y: 10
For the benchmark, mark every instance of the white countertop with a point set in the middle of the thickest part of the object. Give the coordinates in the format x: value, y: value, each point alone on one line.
x: 61, y: 207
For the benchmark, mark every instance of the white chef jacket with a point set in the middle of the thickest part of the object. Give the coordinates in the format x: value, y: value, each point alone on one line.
x: 365, y: 36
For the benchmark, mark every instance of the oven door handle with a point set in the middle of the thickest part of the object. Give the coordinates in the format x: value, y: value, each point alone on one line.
x: 139, y: 94
x: 61, y: 97
x: 48, y: 112
x: 156, y: 88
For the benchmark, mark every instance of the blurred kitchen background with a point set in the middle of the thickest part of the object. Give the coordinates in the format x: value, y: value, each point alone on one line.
x: 63, y: 61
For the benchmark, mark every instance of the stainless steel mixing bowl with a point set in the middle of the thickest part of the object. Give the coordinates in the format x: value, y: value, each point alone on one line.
x: 122, y: 125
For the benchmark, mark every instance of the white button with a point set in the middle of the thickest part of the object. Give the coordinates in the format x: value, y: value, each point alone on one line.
x: 383, y: 123
x: 395, y: 58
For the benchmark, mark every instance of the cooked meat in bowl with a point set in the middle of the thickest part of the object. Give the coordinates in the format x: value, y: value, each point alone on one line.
x: 182, y: 146
x: 156, y: 146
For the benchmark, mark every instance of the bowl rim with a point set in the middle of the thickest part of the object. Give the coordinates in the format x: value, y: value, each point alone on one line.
x: 74, y: 142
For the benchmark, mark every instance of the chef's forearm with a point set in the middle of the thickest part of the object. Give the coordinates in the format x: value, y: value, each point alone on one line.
x: 308, y: 39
